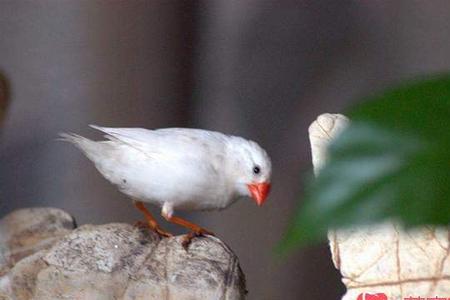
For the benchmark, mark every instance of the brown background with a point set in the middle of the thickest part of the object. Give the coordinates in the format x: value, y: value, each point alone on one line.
x: 260, y: 69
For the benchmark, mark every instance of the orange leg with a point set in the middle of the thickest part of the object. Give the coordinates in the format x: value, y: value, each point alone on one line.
x: 195, y: 229
x: 150, y: 219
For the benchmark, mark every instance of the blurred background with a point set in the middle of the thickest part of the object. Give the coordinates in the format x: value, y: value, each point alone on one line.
x: 259, y: 69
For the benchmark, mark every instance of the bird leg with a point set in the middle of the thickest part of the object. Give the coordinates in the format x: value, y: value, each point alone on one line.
x: 195, y: 229
x: 150, y: 220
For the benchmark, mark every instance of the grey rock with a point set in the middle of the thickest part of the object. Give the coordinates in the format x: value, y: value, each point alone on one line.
x: 119, y: 261
x: 26, y: 231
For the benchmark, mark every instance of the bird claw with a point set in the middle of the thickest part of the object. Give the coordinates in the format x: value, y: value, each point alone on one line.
x: 162, y: 233
x: 143, y: 225
x: 187, y: 239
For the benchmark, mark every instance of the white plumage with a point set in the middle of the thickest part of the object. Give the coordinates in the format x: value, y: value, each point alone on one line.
x: 179, y: 168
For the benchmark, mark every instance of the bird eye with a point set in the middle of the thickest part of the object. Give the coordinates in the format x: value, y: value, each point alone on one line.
x: 256, y: 170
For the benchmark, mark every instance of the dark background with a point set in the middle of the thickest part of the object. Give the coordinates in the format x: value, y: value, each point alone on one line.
x: 259, y: 69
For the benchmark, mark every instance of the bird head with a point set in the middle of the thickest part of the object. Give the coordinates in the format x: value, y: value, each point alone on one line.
x: 251, y: 169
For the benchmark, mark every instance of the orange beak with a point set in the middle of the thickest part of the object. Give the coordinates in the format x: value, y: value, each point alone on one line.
x: 259, y: 191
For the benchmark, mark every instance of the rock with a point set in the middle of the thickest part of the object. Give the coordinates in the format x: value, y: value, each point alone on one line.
x: 26, y: 231
x: 384, y: 258
x: 119, y: 261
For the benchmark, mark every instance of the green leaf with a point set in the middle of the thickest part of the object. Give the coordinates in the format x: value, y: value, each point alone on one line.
x: 393, y: 161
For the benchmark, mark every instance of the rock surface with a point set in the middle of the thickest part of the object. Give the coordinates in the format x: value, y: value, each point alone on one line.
x: 26, y: 231
x: 42, y: 257
x: 384, y: 258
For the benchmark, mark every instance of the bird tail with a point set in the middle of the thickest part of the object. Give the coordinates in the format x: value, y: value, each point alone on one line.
x: 89, y: 147
x: 78, y: 140
x: 69, y: 137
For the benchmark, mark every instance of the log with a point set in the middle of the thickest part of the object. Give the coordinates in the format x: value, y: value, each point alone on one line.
x: 43, y: 256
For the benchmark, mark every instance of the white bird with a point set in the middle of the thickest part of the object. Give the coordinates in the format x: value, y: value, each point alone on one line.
x: 179, y: 168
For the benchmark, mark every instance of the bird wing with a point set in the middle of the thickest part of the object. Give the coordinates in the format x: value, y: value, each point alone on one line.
x: 168, y: 142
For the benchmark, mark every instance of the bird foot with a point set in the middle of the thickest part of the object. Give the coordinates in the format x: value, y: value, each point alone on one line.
x: 143, y: 225
x: 187, y: 239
